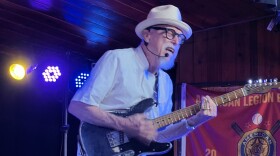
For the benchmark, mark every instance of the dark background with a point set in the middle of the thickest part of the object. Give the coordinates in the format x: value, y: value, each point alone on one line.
x: 32, y: 112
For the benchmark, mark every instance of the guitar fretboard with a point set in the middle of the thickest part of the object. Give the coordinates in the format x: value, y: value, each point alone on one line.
x: 193, y: 109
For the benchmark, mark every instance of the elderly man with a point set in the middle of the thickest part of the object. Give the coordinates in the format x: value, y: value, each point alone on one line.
x: 123, y: 79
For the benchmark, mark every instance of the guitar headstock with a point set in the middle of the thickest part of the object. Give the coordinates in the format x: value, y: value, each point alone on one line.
x: 261, y: 86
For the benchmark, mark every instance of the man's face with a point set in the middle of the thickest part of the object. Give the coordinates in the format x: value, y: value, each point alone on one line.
x: 165, y: 40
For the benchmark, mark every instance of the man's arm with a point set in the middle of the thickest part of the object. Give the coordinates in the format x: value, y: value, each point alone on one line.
x: 184, y: 127
x: 134, y: 126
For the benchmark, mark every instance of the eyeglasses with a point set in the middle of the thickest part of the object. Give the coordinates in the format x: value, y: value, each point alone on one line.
x: 170, y: 34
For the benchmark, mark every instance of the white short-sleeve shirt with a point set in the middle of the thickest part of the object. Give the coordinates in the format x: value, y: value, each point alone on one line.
x: 120, y: 79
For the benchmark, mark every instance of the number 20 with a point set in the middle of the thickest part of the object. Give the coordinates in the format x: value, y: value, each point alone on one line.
x: 210, y: 152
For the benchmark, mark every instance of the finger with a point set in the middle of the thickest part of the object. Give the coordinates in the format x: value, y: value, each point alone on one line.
x: 202, y: 104
x: 210, y: 103
x: 205, y: 104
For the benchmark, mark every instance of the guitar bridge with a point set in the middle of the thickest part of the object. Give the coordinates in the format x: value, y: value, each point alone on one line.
x: 116, y: 138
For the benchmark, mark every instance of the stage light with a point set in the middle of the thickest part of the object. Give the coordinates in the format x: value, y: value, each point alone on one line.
x: 79, y: 81
x: 51, y: 74
x: 273, y: 5
x: 17, y: 71
x: 274, y: 23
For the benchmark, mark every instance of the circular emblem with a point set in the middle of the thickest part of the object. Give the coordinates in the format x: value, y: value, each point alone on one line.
x: 257, y: 143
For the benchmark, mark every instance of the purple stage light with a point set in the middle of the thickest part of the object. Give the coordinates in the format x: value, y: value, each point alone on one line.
x: 79, y: 81
x: 51, y: 74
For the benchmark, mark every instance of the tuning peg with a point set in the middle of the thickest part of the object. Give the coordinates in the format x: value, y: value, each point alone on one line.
x: 259, y: 82
x: 275, y: 80
x: 265, y: 82
x: 250, y: 82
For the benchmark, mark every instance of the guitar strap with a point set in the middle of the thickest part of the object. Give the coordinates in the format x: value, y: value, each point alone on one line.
x: 156, y: 89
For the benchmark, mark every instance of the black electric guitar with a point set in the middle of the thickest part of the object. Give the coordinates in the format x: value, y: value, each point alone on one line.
x: 101, y: 141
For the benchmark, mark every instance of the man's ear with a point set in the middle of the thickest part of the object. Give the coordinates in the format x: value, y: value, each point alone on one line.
x: 146, y: 35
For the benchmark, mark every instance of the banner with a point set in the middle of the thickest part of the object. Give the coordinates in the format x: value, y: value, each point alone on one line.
x: 244, y: 127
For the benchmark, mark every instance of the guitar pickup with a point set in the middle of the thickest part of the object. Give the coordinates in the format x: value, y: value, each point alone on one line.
x: 116, y: 138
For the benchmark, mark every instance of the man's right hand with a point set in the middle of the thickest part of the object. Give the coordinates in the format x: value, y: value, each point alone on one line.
x: 139, y: 127
x: 136, y: 126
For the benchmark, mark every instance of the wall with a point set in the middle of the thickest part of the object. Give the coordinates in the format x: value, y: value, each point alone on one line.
x: 230, y: 54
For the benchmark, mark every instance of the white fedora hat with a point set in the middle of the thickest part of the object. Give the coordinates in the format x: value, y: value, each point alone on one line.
x: 165, y: 14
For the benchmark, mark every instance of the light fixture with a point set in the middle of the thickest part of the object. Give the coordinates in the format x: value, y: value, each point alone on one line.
x: 274, y: 22
x: 79, y: 81
x: 17, y: 71
x: 51, y: 74
x: 274, y: 5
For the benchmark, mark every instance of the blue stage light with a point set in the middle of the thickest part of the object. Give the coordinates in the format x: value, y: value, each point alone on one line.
x: 79, y: 81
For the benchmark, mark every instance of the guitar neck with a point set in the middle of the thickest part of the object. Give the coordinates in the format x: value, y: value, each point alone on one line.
x: 193, y: 109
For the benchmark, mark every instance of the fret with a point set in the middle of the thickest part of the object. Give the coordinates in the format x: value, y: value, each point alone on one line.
x: 186, y: 114
x: 174, y: 116
x: 163, y: 121
x: 243, y: 91
x: 185, y: 111
x: 219, y: 100
x: 190, y: 112
x: 178, y: 116
x: 161, y: 124
x: 235, y: 94
x: 168, y: 120
x: 182, y: 115
x: 158, y: 123
x: 222, y: 99
x: 171, y: 119
x: 215, y: 100
x: 238, y: 94
x: 225, y: 98
x: 228, y: 97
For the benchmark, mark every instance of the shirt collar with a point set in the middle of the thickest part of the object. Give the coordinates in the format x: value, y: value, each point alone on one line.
x: 142, y: 57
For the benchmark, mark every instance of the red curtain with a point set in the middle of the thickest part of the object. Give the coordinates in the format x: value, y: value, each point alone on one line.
x: 244, y: 127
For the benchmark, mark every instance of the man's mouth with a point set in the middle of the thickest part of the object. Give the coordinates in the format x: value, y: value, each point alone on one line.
x: 170, y: 49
